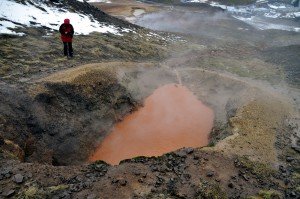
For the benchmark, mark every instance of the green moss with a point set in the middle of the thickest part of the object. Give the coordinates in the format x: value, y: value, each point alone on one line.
x: 296, y: 176
x: 259, y: 169
x: 57, y: 188
x: 32, y: 192
x: 4, y: 69
x: 28, y: 55
x: 269, y: 194
x: 10, y: 155
x: 210, y: 190
x: 253, y: 197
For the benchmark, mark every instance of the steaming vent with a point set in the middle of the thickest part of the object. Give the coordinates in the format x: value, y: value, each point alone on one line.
x: 172, y: 118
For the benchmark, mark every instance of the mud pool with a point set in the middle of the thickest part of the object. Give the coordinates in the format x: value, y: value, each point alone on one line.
x: 172, y: 118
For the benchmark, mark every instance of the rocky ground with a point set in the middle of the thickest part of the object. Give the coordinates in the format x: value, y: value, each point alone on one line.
x: 54, y: 111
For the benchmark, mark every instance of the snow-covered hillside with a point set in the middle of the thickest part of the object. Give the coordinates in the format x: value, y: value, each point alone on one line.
x: 100, y: 1
x: 48, y: 15
x: 263, y: 14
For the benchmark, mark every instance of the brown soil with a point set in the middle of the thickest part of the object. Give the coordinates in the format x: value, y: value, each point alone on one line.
x: 254, y: 128
x: 182, y: 174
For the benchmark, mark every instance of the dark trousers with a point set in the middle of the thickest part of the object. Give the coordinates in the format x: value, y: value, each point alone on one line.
x: 68, y: 50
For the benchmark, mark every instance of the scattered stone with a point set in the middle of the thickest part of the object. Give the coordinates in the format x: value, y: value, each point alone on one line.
x: 137, y: 173
x: 18, y: 178
x: 141, y: 180
x: 282, y: 169
x: 154, y: 168
x: 286, y: 181
x: 289, y: 159
x: 78, y: 178
x: 210, y: 174
x: 187, y: 176
x: 144, y: 175
x: 91, y: 196
x: 157, y: 184
x: 168, y: 169
x: 65, y: 195
x: 29, y: 175
x: 246, y: 178
x: 122, y: 182
x: 6, y: 173
x: 182, y: 153
x: 1, y: 141
x: 10, y: 193
x: 189, y: 150
x: 88, y: 175
x: 296, y: 148
x: 88, y: 183
x: 77, y: 187
x: 231, y: 185
x: 100, y: 166
x: 293, y: 194
x: 196, y: 157
x: 237, y: 163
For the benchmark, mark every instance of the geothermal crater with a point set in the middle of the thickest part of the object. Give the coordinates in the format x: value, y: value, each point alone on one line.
x: 172, y: 118
x: 100, y: 116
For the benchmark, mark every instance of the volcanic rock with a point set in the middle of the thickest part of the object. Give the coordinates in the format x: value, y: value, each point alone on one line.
x: 231, y: 185
x: 122, y: 182
x: 92, y: 196
x: 18, y: 178
x: 9, y: 193
x: 210, y: 174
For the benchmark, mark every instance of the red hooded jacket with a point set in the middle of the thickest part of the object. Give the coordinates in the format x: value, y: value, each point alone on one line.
x: 67, y: 31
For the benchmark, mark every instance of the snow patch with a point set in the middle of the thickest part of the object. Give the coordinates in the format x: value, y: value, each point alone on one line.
x: 6, y: 26
x: 263, y: 25
x: 42, y: 15
x: 261, y: 12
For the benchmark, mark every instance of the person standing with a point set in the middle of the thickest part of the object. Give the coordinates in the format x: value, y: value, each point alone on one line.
x: 67, y: 31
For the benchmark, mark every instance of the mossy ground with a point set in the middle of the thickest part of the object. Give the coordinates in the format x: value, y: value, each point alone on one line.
x: 254, y: 130
x: 23, y: 57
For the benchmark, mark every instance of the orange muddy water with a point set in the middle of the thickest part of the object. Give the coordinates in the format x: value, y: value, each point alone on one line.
x: 171, y: 118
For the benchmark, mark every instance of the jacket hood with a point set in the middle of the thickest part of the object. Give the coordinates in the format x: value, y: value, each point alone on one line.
x: 67, y: 21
